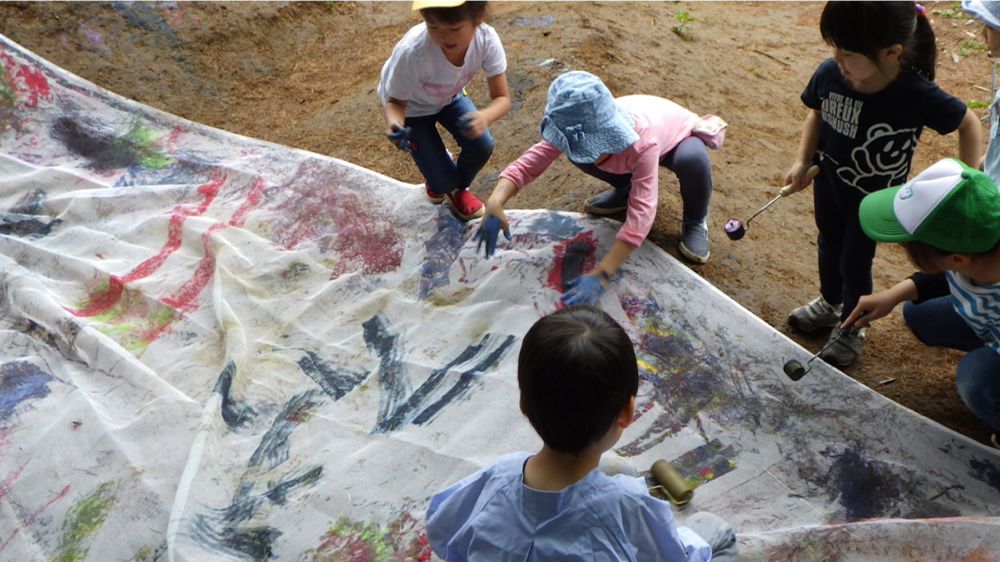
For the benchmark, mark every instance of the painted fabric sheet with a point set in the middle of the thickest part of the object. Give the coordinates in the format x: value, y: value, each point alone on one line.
x: 215, y: 348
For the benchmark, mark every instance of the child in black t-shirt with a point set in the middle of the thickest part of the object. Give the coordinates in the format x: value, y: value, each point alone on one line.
x: 867, y: 107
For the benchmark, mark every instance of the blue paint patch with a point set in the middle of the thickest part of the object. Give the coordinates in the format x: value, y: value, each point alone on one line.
x: 21, y: 381
x: 985, y: 471
x: 15, y: 224
x: 865, y: 488
x: 556, y: 225
x: 441, y: 251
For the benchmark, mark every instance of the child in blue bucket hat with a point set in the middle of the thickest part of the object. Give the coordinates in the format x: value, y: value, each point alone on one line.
x: 989, y: 14
x: 948, y: 220
x: 622, y: 141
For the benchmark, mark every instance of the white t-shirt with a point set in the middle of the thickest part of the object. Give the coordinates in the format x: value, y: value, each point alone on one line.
x: 418, y: 72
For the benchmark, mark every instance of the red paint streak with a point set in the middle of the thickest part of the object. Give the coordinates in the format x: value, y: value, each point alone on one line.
x: 151, y: 264
x: 209, y: 190
x: 642, y: 410
x: 374, y: 244
x: 183, y: 298
x: 34, y: 82
x: 101, y: 301
x: 555, y: 280
x: 252, y: 200
x: 34, y: 516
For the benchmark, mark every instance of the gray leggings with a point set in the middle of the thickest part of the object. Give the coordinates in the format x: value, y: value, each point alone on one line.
x: 689, y: 162
x: 717, y: 533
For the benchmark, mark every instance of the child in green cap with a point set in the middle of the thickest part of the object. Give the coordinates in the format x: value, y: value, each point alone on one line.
x: 948, y: 220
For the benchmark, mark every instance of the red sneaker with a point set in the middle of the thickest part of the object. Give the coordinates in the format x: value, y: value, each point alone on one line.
x: 435, y: 197
x: 466, y: 204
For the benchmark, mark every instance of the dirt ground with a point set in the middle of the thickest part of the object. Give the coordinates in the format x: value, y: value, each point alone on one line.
x: 304, y: 75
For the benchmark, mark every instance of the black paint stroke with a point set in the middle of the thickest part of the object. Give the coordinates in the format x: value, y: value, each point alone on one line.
x: 102, y: 151
x: 576, y: 255
x: 235, y: 412
x: 335, y: 381
x: 274, y: 446
x: 398, y: 406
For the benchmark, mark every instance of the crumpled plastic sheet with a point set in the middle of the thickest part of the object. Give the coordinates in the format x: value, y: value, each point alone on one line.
x: 216, y: 348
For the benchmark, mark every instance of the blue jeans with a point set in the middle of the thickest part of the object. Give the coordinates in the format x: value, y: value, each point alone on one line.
x: 689, y: 162
x: 935, y: 322
x: 440, y: 172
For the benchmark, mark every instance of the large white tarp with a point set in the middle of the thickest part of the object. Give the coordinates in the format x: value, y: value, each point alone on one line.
x: 215, y: 348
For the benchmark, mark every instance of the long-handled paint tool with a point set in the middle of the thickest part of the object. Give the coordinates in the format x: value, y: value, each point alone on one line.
x: 671, y: 482
x: 796, y: 370
x: 735, y: 228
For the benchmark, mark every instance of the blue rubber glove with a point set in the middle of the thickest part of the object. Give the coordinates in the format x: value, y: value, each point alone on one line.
x: 585, y: 289
x: 488, y: 230
x: 400, y: 136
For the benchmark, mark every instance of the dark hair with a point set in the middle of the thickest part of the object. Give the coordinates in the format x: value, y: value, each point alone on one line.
x: 576, y: 371
x: 927, y: 258
x: 868, y: 27
x: 472, y: 11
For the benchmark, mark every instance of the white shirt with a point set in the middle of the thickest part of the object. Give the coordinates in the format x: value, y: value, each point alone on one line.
x: 418, y: 72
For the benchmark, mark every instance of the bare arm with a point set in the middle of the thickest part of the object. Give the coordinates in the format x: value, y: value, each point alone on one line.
x: 970, y: 140
x: 395, y: 113
x: 615, y: 257
x: 873, y: 307
x: 808, y: 143
x: 498, y: 107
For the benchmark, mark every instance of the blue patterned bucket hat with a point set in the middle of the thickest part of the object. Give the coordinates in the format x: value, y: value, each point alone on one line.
x: 582, y: 120
x: 987, y: 12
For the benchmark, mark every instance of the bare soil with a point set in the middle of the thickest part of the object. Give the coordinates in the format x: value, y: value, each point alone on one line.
x: 304, y: 75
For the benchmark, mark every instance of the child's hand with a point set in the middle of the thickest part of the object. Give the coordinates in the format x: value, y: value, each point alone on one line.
x: 585, y: 289
x: 870, y: 307
x: 400, y: 136
x: 472, y: 124
x: 489, y: 229
x: 798, y: 178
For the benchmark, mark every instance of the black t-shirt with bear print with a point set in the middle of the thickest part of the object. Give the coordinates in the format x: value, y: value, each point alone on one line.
x: 867, y: 140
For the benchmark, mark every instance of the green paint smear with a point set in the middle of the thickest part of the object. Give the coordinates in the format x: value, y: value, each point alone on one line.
x: 141, y: 139
x: 135, y: 320
x: 82, y: 520
x: 145, y: 554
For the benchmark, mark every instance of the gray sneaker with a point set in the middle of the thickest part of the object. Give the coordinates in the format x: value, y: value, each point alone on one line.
x: 607, y: 202
x: 815, y: 315
x: 846, y: 350
x: 694, y: 242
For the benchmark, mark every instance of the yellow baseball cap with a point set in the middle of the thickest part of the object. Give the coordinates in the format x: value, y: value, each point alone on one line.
x: 421, y: 4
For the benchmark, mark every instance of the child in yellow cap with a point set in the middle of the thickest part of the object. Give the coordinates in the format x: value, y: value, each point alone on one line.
x: 423, y: 84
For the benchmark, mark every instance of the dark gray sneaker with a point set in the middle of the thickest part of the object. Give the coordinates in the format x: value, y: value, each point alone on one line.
x: 815, y: 315
x: 607, y: 202
x: 846, y: 350
x: 694, y: 242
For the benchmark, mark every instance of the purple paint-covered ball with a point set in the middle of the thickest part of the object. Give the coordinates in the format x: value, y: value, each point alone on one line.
x: 733, y: 225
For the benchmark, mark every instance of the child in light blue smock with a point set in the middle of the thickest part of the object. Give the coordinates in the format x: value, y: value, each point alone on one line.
x: 578, y: 378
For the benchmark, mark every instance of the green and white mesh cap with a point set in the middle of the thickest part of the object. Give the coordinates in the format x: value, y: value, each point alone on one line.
x: 949, y: 205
